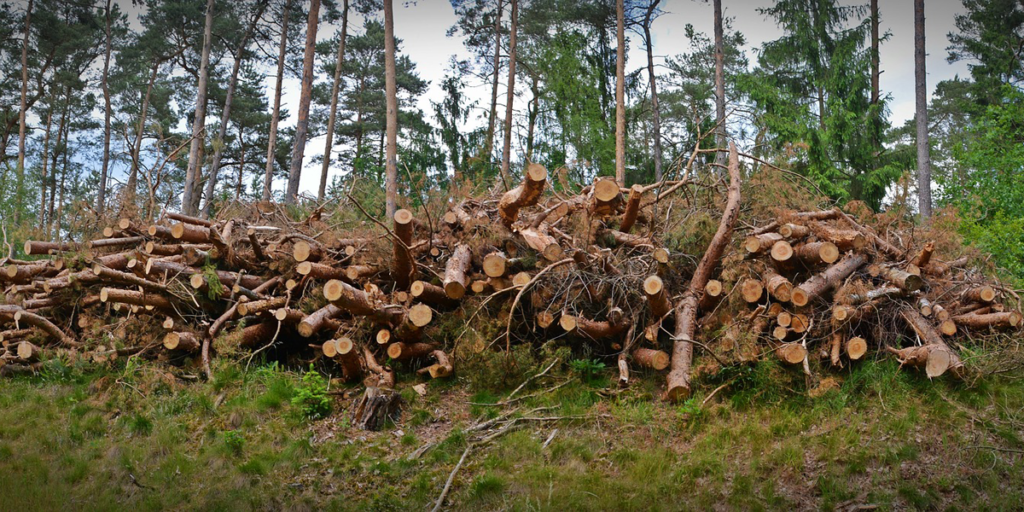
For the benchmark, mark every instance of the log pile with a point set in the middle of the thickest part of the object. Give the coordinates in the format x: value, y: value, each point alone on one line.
x: 589, y: 268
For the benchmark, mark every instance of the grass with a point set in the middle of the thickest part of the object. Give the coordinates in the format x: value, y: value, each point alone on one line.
x: 86, y: 438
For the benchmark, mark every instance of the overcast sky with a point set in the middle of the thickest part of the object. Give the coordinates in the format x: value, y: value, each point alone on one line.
x: 422, y: 25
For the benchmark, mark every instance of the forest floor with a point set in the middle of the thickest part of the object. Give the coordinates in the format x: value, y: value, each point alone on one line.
x: 134, y: 436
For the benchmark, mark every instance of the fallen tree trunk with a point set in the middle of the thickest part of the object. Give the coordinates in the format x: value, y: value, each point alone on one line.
x: 526, y: 194
x: 821, y: 283
x: 678, y: 383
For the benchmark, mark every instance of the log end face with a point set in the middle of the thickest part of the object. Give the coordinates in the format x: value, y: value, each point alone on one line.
x: 782, y: 251
x: 536, y: 172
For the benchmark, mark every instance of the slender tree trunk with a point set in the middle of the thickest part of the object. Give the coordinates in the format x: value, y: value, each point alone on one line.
x: 506, y: 153
x: 391, y: 95
x: 924, y: 164
x: 241, y: 163
x: 62, y: 146
x: 46, y: 156
x: 492, y: 117
x: 874, y: 53
x: 218, y: 152
x: 359, y: 122
x: 133, y: 175
x: 302, y: 124
x: 654, y: 88
x: 720, y: 130
x: 268, y: 179
x: 19, y: 191
x: 620, y: 93
x: 199, y: 123
x: 101, y: 194
x: 63, y: 179
x: 534, y: 110
x: 322, y: 193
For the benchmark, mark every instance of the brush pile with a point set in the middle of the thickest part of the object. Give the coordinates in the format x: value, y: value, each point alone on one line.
x: 528, y: 266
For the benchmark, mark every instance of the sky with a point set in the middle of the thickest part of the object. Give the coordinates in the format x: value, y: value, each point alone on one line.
x: 422, y: 25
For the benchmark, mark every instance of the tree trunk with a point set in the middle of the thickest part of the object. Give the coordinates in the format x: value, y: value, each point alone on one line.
x: 19, y: 191
x: 306, y: 95
x: 686, y: 311
x: 391, y: 95
x: 322, y: 193
x: 620, y: 93
x: 60, y: 146
x: 924, y: 164
x: 719, y: 82
x: 211, y: 183
x: 268, y: 179
x: 654, y: 88
x: 199, y: 122
x: 133, y: 175
x: 506, y: 153
x: 875, y: 71
x: 46, y: 156
x: 101, y: 194
x: 489, y: 144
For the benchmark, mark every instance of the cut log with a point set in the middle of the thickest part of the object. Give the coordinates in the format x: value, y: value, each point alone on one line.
x: 545, y: 319
x: 22, y: 318
x: 37, y: 248
x: 259, y: 306
x: 494, y: 264
x: 752, y: 290
x: 822, y: 283
x: 791, y: 353
x: 317, y: 320
x: 303, y: 250
x: 794, y: 231
x: 650, y: 358
x: 778, y: 286
x: 431, y: 294
x: 320, y: 271
x: 607, y: 198
x: 979, y: 294
x: 358, y: 302
x: 934, y: 355
x: 712, y: 295
x: 455, y: 280
x: 782, y: 251
x: 814, y: 253
x: 844, y: 239
x: 400, y: 351
x: 936, y: 268
x: 191, y: 233
x: 182, y: 342
x: 678, y: 382
x: 636, y: 193
x: 346, y: 354
x: 900, y: 278
x: 526, y: 194
x: 405, y: 268
x: 255, y: 336
x: 149, y: 300
x: 1004, y: 320
x: 28, y: 352
x: 761, y: 243
x: 856, y: 347
x: 187, y: 219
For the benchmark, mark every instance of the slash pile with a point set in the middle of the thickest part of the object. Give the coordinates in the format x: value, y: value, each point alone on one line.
x: 589, y: 269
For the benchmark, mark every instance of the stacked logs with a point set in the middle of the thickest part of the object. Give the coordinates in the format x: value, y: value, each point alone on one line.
x: 588, y: 268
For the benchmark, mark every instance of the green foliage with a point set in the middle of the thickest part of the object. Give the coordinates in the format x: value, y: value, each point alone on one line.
x: 214, y: 287
x: 588, y: 369
x: 234, y: 441
x: 311, y: 396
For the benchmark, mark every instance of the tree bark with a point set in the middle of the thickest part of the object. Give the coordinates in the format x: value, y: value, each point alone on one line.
x: 133, y: 174
x: 620, y: 93
x: 305, y: 97
x: 101, y: 193
x: 526, y: 194
x: 19, y: 191
x: 218, y: 153
x: 268, y: 178
x: 506, y: 153
x: 493, y: 115
x: 719, y: 81
x: 686, y: 310
x: 199, y: 122
x: 924, y: 164
x: 391, y: 97
x: 655, y: 113
x: 332, y: 117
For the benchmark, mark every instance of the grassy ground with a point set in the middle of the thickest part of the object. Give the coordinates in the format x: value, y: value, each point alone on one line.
x: 134, y: 436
